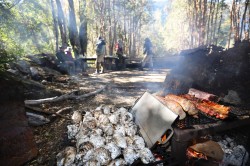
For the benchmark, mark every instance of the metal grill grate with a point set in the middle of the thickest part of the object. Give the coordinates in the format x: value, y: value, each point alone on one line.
x: 189, y: 121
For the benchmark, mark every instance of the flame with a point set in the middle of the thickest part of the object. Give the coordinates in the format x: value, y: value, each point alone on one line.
x: 193, y: 154
x: 163, y: 138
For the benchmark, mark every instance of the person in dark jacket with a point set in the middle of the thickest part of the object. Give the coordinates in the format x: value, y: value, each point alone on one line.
x: 65, y: 61
x: 148, y: 54
x: 119, y: 52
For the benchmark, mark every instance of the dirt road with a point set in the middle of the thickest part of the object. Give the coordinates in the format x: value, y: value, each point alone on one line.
x: 124, y: 87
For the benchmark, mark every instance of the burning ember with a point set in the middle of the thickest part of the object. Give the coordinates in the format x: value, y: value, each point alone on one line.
x: 104, y: 136
x: 206, y: 150
x: 224, y: 152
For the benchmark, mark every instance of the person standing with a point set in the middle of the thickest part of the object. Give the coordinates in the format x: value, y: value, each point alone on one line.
x: 119, y: 53
x: 148, y: 54
x: 100, y: 51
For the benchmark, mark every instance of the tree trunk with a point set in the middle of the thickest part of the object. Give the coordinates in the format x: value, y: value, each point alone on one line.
x: 231, y: 22
x: 61, y: 23
x: 55, y: 26
x: 200, y: 23
x: 215, y: 22
x: 237, y: 22
x: 130, y: 36
x: 125, y: 29
x: 83, y: 33
x: 219, y: 26
x: 191, y: 23
x: 110, y: 29
x: 134, y: 36
x: 212, y: 22
x: 73, y: 32
x: 195, y: 23
x: 204, y: 17
x: 243, y: 18
x: 248, y: 24
x: 115, y: 24
x: 208, y: 22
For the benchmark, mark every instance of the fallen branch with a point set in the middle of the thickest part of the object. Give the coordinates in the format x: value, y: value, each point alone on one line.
x: 91, y: 93
x: 52, y: 114
x: 58, y: 113
x: 70, y: 95
x: 62, y: 116
x: 50, y: 100
x: 36, y: 109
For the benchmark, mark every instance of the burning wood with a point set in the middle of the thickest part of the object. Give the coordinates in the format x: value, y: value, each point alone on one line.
x: 206, y: 150
x: 224, y: 152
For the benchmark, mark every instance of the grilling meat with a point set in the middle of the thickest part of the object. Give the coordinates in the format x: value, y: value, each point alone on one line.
x: 186, y: 104
x: 202, y: 95
x: 173, y: 106
x: 220, y: 112
x: 211, y: 108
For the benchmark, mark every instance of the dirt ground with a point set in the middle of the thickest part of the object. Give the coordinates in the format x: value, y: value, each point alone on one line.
x: 123, y: 88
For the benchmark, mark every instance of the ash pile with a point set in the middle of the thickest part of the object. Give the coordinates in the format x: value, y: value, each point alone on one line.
x: 104, y: 136
x: 234, y: 154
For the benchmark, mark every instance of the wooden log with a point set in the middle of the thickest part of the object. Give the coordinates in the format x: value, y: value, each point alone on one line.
x: 70, y: 95
x: 36, y: 120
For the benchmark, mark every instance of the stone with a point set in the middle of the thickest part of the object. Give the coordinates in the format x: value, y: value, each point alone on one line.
x: 76, y: 117
x: 232, y: 97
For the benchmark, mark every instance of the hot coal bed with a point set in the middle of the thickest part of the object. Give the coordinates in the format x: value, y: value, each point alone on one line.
x: 185, y: 134
x: 214, y: 70
x: 191, y: 130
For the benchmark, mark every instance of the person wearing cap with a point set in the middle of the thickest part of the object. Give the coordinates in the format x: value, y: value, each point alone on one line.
x: 100, y: 51
x: 148, y: 54
x: 68, y: 52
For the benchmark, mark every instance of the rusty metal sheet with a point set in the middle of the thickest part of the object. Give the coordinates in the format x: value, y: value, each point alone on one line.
x: 153, y: 118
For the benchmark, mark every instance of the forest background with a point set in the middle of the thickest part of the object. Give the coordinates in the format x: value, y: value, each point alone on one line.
x: 32, y: 26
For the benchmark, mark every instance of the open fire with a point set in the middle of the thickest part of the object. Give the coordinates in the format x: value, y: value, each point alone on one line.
x: 206, y: 150
x: 109, y: 136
